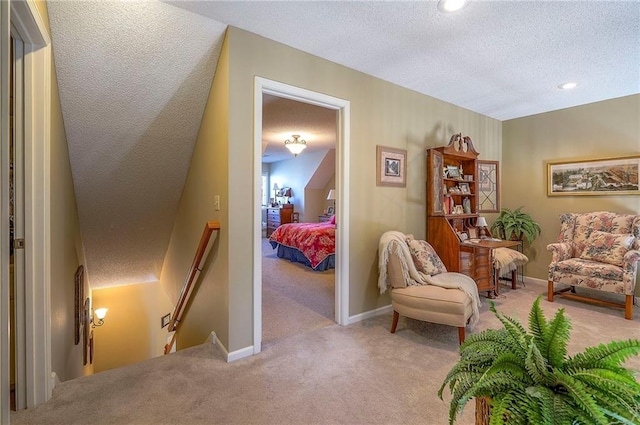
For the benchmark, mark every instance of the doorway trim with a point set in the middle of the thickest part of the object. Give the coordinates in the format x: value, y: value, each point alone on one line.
x: 25, y: 19
x: 265, y: 86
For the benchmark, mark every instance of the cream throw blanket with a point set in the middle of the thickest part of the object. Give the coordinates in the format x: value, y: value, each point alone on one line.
x: 393, y: 242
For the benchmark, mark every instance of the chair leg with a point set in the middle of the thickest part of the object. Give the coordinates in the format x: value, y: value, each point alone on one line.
x: 550, y: 291
x: 514, y: 279
x: 461, y: 334
x: 628, y: 307
x: 395, y: 321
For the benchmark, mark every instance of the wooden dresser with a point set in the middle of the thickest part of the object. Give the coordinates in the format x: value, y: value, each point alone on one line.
x: 277, y: 216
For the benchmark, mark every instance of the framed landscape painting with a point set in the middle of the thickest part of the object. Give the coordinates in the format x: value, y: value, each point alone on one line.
x: 607, y: 176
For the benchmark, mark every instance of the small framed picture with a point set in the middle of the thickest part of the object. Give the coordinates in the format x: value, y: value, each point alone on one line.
x: 473, y: 233
x: 330, y: 210
x: 464, y: 187
x: 458, y: 210
x: 391, y: 167
x: 452, y: 172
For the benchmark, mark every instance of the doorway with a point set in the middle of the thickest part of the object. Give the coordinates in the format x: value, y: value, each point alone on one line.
x: 268, y: 87
x: 296, y: 298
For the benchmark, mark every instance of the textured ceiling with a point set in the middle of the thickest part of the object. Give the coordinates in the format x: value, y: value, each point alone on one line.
x: 134, y: 78
x: 503, y: 59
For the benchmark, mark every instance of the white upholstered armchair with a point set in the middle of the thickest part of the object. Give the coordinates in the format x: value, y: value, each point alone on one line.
x: 598, y: 250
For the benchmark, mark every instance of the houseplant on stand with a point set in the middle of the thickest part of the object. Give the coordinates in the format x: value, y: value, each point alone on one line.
x: 528, y: 377
x: 515, y: 225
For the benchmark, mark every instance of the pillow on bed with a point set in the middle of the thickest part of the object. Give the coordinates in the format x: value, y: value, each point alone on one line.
x: 333, y: 219
x: 425, y: 257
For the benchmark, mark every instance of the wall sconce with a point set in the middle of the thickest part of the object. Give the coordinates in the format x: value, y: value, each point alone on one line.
x: 482, y: 225
x: 98, y: 313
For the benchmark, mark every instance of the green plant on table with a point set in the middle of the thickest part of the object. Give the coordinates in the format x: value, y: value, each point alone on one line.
x: 529, y: 378
x: 515, y: 224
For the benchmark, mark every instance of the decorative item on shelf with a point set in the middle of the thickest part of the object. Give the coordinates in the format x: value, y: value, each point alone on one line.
x: 464, y: 188
x: 468, y: 177
x: 481, y: 225
x: 458, y: 210
x: 466, y: 205
x: 452, y: 172
x: 296, y: 145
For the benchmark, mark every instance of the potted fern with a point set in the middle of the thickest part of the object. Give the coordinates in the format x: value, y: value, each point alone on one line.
x: 515, y: 225
x: 528, y: 377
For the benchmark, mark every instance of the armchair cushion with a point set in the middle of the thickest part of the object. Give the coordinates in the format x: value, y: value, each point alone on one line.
x: 607, y: 247
x: 425, y: 258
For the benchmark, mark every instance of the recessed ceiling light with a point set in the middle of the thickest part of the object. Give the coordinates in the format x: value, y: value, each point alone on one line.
x: 568, y: 86
x: 449, y: 6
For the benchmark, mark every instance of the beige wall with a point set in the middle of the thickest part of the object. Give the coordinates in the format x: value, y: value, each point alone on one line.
x: 131, y: 330
x: 381, y: 113
x: 208, y: 176
x: 67, y: 252
x: 603, y: 129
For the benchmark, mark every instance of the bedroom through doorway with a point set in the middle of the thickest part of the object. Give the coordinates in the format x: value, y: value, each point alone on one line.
x: 295, y: 297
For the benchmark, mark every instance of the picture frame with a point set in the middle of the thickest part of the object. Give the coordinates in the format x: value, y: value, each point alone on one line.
x: 473, y: 233
x: 452, y: 172
x: 86, y: 331
x: 464, y: 187
x: 391, y: 167
x: 78, y: 317
x: 488, y: 186
x: 604, y: 176
x: 330, y: 210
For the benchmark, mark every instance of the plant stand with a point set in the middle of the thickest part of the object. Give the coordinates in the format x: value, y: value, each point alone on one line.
x: 483, y: 411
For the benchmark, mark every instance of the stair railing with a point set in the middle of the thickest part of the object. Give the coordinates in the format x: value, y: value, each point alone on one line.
x: 192, y: 277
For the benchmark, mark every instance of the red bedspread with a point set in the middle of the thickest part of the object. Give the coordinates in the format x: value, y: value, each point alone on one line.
x: 315, y: 240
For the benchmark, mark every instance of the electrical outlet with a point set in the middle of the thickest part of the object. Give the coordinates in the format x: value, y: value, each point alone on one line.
x: 164, y: 320
x: 216, y: 202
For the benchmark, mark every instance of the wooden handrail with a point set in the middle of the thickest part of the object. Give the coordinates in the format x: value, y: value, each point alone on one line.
x: 189, y: 283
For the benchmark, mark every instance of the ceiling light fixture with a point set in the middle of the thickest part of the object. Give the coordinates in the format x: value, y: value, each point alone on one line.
x: 568, y: 86
x: 296, y: 145
x: 450, y: 6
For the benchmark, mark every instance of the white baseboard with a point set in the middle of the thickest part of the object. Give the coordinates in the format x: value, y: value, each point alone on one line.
x: 53, y: 380
x: 371, y: 313
x: 234, y: 355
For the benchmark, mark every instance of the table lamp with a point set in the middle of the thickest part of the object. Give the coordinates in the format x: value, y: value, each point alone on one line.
x: 481, y: 224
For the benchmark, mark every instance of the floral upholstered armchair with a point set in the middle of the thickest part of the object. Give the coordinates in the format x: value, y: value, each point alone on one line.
x: 598, y: 250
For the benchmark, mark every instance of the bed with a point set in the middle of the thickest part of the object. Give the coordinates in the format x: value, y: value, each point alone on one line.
x: 312, y: 244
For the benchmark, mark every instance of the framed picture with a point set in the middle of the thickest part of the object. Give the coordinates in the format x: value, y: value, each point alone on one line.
x: 330, y: 210
x: 488, y: 186
x: 452, y: 172
x: 473, y: 233
x: 78, y: 317
x: 464, y: 187
x: 607, y: 176
x: 391, y: 167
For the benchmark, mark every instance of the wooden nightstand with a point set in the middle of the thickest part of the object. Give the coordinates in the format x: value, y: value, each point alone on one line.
x: 324, y: 218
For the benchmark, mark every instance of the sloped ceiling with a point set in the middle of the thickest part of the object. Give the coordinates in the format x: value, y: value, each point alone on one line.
x: 134, y: 78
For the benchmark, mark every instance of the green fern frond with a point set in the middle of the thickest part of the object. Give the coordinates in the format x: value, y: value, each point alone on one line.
x: 556, y: 339
x: 538, y: 325
x: 580, y: 395
x: 536, y: 365
x: 509, y: 362
x: 605, y: 355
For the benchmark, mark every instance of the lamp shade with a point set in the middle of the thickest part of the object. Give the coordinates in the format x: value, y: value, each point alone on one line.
x: 288, y: 192
x: 296, y: 145
x: 482, y: 222
x: 100, y: 312
x: 332, y: 195
x: 275, y: 186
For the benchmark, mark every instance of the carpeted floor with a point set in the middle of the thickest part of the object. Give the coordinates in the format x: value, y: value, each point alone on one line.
x: 295, y: 299
x: 356, y: 374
